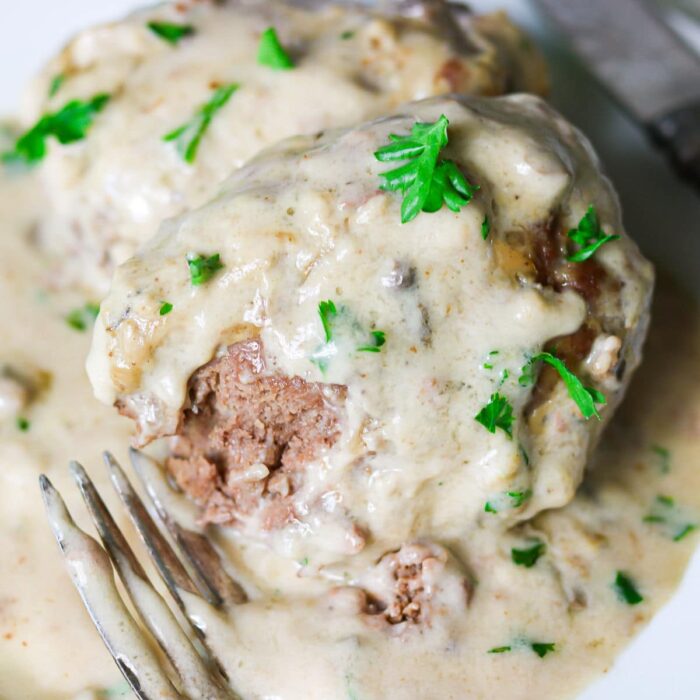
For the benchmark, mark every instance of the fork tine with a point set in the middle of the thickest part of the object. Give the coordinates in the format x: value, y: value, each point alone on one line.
x: 169, y: 566
x: 194, y: 546
x: 91, y: 573
x: 197, y: 683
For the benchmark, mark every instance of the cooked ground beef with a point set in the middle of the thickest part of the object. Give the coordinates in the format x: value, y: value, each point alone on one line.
x: 248, y: 434
x: 413, y: 585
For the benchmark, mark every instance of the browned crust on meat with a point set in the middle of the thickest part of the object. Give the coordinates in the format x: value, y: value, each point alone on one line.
x: 248, y: 434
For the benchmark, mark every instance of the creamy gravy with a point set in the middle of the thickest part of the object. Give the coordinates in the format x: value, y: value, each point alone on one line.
x: 44, y: 626
x: 294, y: 639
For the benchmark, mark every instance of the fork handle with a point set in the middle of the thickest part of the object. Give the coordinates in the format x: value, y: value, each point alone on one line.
x: 678, y: 133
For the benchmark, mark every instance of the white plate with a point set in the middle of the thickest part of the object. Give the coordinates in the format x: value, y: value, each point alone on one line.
x: 662, y: 214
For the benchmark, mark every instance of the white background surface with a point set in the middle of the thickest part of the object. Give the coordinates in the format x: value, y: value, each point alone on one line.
x: 663, y: 663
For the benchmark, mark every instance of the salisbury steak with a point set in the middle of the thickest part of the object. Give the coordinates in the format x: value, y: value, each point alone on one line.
x: 247, y: 435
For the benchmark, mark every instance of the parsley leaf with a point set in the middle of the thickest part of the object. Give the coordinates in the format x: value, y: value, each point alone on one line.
x: 349, y: 34
x: 378, y: 339
x: 498, y: 413
x: 327, y: 312
x: 626, y: 589
x: 68, y: 124
x: 519, y: 497
x: 166, y: 307
x: 80, y: 319
x: 203, y: 269
x: 684, y: 531
x: 427, y: 181
x: 543, y: 648
x: 188, y: 136
x: 485, y: 227
x: 528, y: 557
x: 56, y: 83
x: 589, y: 236
x: 664, y: 457
x: 499, y: 650
x: 22, y: 424
x: 271, y: 53
x: 585, y: 397
x: 170, y: 31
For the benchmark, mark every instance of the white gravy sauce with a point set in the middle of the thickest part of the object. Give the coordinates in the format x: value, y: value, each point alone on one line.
x: 288, y: 647
x: 296, y: 639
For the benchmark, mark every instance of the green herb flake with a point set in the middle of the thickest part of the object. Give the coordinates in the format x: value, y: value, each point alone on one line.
x: 684, y: 532
x: 585, y: 397
x: 543, y: 648
x: 188, y: 136
x: 166, y: 307
x: 271, y: 53
x: 327, y: 312
x: 654, y: 519
x: 426, y: 181
x: 202, y: 269
x: 528, y: 557
x: 68, y: 124
x: 626, y: 589
x: 588, y: 236
x: 500, y: 650
x: 666, y: 501
x: 347, y: 35
x: 519, y: 497
x: 170, y: 31
x: 378, y: 340
x: 22, y: 424
x: 664, y: 456
x: 485, y: 228
x: 489, y: 508
x: 56, y: 83
x: 498, y: 413
x: 304, y: 561
x: 80, y: 319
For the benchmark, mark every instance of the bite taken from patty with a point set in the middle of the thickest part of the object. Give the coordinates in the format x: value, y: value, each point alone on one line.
x: 333, y: 357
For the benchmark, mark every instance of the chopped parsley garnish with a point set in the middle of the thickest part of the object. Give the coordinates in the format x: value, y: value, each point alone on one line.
x: 347, y: 35
x: 543, y: 648
x: 426, y: 181
x: 271, y: 53
x: 166, y: 307
x: 342, y: 331
x: 80, y: 319
x: 585, y: 397
x: 528, y: 557
x: 540, y: 648
x: 304, y: 561
x: 68, y: 124
x: 664, y: 456
x: 498, y: 413
x: 22, y: 424
x: 589, y: 236
x: 666, y: 501
x: 202, y: 269
x: 170, y: 31
x: 378, y: 339
x: 327, y: 312
x: 519, y: 497
x: 511, y: 499
x: 626, y: 589
x: 56, y: 83
x: 684, y: 531
x: 485, y: 228
x: 188, y: 136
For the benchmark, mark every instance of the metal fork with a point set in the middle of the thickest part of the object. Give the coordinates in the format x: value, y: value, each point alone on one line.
x: 189, y: 670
